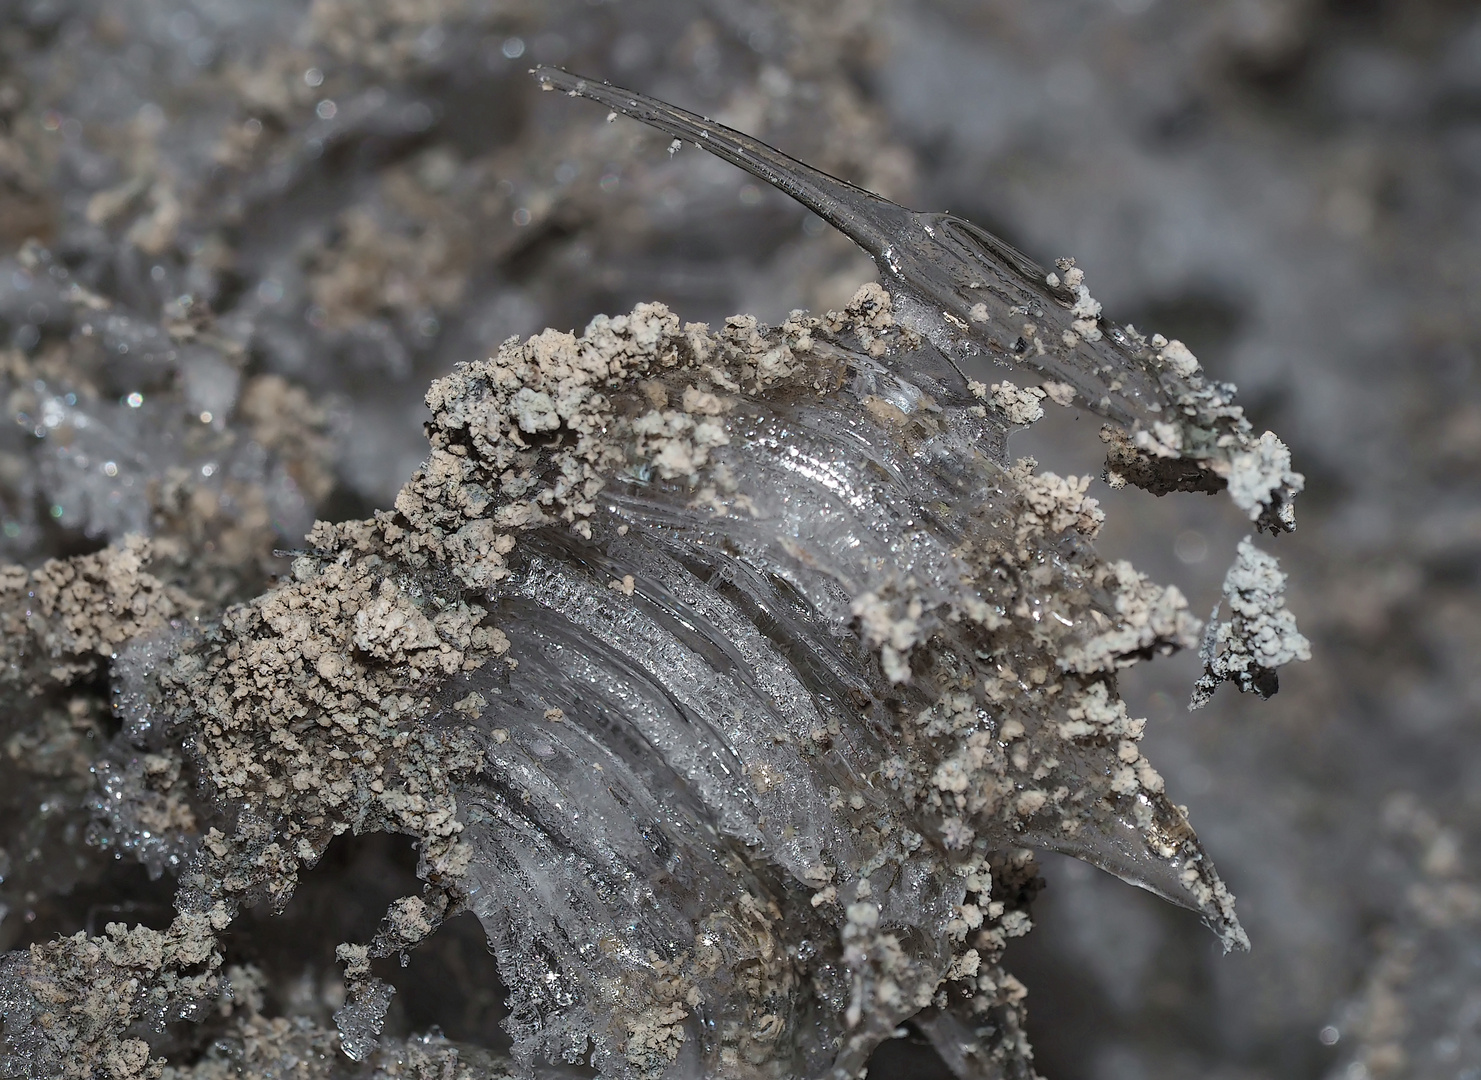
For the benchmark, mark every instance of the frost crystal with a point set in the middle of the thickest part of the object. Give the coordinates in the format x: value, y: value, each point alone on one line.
x: 1257, y: 638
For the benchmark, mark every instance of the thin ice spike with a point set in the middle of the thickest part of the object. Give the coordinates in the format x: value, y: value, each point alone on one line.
x: 869, y: 220
x: 995, y: 300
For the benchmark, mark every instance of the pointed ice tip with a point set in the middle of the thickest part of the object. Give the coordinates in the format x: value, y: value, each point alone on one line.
x: 1231, y: 935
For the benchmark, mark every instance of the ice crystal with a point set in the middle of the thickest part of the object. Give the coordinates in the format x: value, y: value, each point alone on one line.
x: 728, y: 676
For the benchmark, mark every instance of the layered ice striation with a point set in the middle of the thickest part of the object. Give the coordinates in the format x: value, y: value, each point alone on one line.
x: 773, y: 721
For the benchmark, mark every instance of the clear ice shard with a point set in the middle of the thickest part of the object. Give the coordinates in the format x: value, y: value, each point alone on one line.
x: 360, y: 1021
x: 978, y: 298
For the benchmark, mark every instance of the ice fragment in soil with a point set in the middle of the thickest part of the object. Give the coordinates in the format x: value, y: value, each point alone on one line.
x: 1258, y: 637
x: 976, y: 297
x: 1257, y: 472
x: 729, y: 703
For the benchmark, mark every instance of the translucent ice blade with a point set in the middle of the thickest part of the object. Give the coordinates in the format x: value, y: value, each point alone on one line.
x: 870, y: 221
x: 1181, y: 873
x: 981, y: 295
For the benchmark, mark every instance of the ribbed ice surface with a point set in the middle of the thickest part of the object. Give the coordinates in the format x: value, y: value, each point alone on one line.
x: 697, y: 740
x: 773, y: 661
x: 688, y: 752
